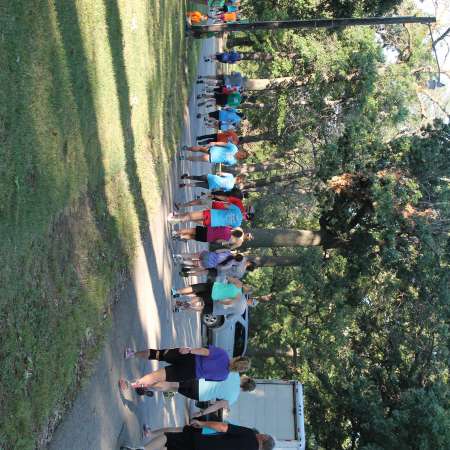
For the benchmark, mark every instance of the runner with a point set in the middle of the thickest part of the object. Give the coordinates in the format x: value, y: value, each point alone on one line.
x: 230, y: 57
x: 230, y: 237
x: 220, y: 215
x: 186, y: 364
x: 190, y: 437
x: 225, y: 153
x: 221, y: 136
x: 203, y: 296
x: 223, y: 181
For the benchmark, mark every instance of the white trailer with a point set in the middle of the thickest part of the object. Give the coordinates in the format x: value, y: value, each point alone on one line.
x: 275, y: 407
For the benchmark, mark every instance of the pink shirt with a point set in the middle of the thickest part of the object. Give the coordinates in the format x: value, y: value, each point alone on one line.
x: 215, y: 233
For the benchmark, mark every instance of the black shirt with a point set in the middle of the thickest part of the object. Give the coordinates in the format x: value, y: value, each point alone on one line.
x: 236, y: 438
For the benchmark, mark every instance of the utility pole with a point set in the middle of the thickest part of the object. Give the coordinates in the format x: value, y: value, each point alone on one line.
x: 199, y: 31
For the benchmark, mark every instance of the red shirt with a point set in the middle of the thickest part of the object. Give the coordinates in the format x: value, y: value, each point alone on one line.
x: 234, y: 201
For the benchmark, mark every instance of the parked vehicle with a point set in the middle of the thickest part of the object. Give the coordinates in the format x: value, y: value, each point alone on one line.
x: 274, y: 407
x: 229, y: 332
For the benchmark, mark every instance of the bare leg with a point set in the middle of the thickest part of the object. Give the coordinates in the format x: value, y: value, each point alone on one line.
x: 150, y: 379
x: 166, y: 386
x: 203, y: 158
x: 187, y: 233
x: 144, y: 354
x: 198, y: 148
x: 195, y: 202
x: 185, y: 291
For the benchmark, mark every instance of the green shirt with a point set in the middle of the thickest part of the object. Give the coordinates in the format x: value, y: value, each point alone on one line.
x: 234, y: 99
x: 221, y: 291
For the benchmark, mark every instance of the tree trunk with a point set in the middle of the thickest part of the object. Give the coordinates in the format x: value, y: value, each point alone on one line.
x: 280, y: 237
x: 239, y: 41
x: 199, y: 31
x: 257, y: 138
x: 259, y: 56
x: 275, y: 179
x: 276, y: 261
x: 269, y: 354
x: 264, y: 84
x: 257, y: 167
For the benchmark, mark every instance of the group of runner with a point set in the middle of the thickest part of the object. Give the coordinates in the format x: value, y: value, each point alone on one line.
x: 220, y: 11
x: 208, y: 374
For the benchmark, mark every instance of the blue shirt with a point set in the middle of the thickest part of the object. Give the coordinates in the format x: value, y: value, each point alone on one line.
x: 228, y: 389
x: 223, y: 182
x: 231, y: 217
x: 223, y: 154
x: 228, y: 117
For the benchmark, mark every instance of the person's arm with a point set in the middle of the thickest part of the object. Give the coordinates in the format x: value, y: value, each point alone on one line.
x: 227, y: 301
x: 200, y: 351
x: 220, y: 427
x: 217, y: 144
x: 213, y: 408
x: 236, y: 281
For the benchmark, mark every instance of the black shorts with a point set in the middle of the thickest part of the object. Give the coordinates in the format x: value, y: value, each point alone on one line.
x: 221, y: 99
x: 181, y: 441
x: 181, y: 368
x: 214, y: 115
x: 209, y: 306
x: 203, y: 290
x: 201, y: 233
x: 189, y: 389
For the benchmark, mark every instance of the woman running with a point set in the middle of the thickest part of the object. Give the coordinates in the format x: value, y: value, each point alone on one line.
x: 230, y: 237
x: 186, y: 364
x: 203, y: 296
x: 225, y: 153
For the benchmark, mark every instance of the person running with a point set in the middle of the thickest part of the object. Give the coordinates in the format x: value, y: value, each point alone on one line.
x: 232, y: 238
x: 204, y: 259
x: 224, y: 119
x: 212, y: 272
x: 195, y: 17
x: 185, y: 363
x: 221, y: 136
x: 233, y: 99
x: 225, y: 153
x: 236, y: 270
x: 230, y: 57
x: 223, y: 181
x: 226, y: 437
x: 219, y: 215
x: 203, y: 296
x: 222, y: 393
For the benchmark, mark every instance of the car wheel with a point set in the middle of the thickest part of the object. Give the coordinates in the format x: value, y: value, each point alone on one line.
x: 212, y: 321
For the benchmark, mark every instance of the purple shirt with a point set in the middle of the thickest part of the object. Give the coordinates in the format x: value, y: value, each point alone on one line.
x: 214, y: 367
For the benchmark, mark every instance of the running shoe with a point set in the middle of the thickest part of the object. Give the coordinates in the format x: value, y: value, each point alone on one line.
x: 177, y: 258
x: 199, y: 116
x: 126, y: 447
x: 184, y: 176
x: 172, y: 218
x: 128, y: 353
x: 175, y: 293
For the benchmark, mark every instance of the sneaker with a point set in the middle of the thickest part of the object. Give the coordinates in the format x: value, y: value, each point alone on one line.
x: 181, y: 185
x: 175, y: 293
x: 181, y: 158
x: 184, y: 274
x: 126, y: 447
x: 199, y: 96
x: 184, y: 147
x: 128, y: 353
x: 200, y: 82
x: 177, y: 258
x: 175, y: 309
x: 172, y: 218
x: 184, y: 176
x: 175, y: 235
x: 146, y: 431
x: 199, y: 116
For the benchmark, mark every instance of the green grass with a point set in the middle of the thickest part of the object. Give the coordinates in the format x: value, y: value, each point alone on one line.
x: 91, y: 103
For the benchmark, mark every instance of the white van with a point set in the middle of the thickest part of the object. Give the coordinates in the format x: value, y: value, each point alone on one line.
x: 275, y: 407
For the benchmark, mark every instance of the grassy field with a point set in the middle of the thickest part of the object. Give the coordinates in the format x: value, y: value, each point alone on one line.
x: 91, y: 101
